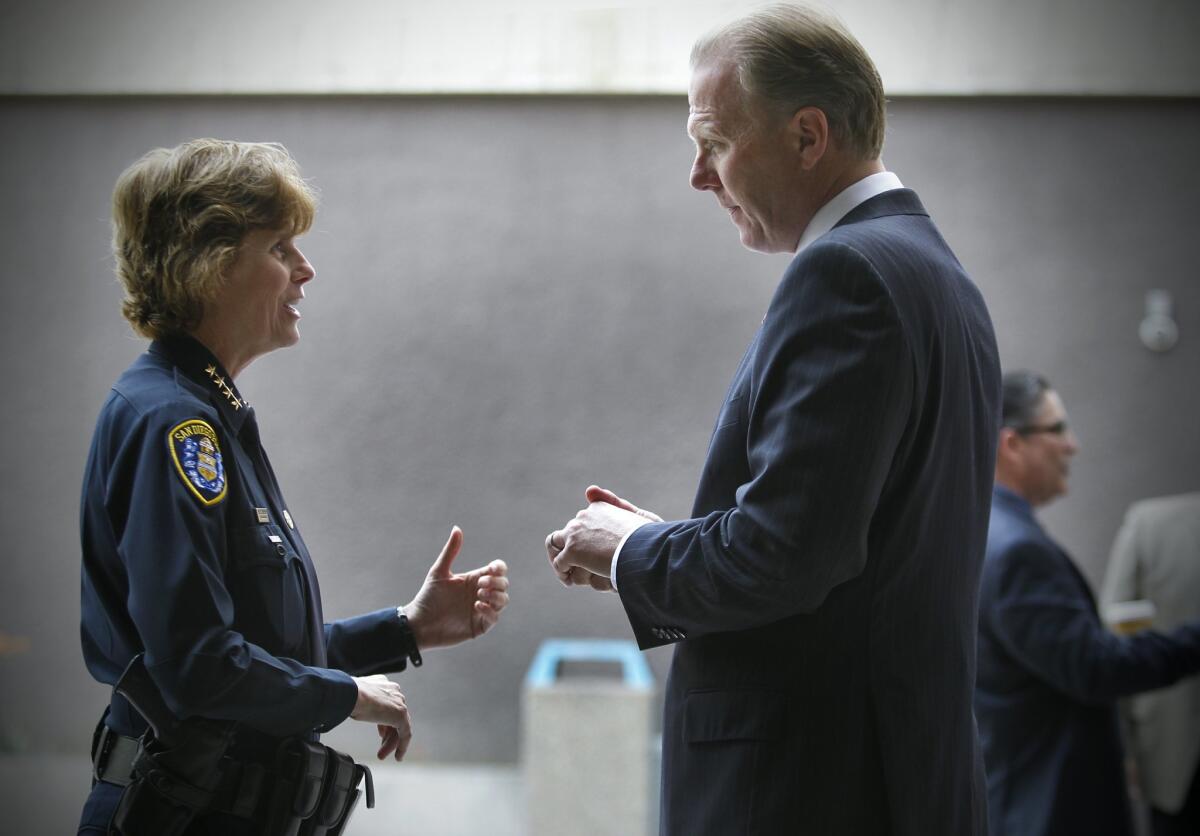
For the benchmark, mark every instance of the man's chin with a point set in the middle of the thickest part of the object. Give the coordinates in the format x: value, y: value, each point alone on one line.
x: 760, y: 246
x: 753, y: 240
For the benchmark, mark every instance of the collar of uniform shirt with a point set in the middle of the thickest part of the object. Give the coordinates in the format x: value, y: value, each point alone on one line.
x: 844, y: 201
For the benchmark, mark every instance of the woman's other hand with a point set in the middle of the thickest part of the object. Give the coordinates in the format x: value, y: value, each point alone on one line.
x: 380, y: 701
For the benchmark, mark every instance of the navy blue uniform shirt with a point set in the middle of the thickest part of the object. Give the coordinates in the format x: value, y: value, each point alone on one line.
x: 191, y: 556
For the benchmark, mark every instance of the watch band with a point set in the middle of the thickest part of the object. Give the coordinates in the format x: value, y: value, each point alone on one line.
x: 410, y: 648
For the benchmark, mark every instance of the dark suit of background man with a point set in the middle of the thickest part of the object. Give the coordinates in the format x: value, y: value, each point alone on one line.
x: 1050, y: 673
x: 822, y: 595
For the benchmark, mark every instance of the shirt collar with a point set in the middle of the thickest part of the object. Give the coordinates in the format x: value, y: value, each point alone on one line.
x: 845, y: 201
x: 200, y: 366
x: 1011, y: 498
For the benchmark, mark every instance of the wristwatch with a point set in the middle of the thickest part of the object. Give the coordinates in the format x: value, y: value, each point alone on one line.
x: 409, y: 639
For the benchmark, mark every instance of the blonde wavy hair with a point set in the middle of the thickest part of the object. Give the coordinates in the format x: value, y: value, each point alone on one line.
x: 180, y: 214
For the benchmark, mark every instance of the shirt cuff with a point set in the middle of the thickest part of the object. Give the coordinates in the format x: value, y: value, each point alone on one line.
x: 612, y: 572
x: 338, y: 700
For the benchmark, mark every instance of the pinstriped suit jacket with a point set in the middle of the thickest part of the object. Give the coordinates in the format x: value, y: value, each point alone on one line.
x: 823, y: 596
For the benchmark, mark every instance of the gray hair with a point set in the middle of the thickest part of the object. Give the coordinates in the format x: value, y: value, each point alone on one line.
x: 1023, y: 392
x: 791, y: 57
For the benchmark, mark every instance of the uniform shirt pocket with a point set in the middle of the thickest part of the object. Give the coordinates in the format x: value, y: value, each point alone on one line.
x: 267, y: 589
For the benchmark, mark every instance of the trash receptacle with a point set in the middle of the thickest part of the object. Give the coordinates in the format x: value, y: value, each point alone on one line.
x: 586, y: 746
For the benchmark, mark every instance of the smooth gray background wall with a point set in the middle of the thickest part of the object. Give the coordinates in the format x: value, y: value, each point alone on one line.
x: 516, y: 297
x: 1067, y: 47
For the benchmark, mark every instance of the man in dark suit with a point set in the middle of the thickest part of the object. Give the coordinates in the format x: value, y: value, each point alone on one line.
x: 822, y: 596
x: 1050, y: 673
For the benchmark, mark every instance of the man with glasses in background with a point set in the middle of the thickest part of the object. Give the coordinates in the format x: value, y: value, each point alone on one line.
x: 1049, y: 672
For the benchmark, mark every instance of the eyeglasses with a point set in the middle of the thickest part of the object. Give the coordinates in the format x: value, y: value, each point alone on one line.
x: 1057, y: 428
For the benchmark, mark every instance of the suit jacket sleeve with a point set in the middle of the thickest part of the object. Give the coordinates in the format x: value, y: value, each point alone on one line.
x: 830, y: 391
x: 1042, y: 617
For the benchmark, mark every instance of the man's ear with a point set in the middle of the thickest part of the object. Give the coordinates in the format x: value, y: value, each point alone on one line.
x: 808, y: 132
x: 1007, y: 444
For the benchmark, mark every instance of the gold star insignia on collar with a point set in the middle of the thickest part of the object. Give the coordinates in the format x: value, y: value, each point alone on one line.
x: 223, y: 387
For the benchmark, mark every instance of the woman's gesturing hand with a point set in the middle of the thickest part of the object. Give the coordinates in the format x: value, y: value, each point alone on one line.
x: 452, y: 608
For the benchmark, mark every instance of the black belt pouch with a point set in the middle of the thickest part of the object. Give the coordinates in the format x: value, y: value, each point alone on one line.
x: 301, y: 768
x: 338, y: 798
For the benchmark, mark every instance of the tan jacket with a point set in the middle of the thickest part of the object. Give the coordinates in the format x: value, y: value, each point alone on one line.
x: 1156, y: 556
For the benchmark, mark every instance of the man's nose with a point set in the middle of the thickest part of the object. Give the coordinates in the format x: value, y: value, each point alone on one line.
x: 1071, y: 442
x: 703, y: 178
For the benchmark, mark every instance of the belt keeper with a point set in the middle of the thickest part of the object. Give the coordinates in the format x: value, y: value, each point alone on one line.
x: 104, y: 744
x: 114, y: 758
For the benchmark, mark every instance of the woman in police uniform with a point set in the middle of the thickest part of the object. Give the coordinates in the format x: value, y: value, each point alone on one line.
x: 190, y: 554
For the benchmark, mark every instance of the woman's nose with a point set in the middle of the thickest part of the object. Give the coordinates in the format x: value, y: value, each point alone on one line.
x: 304, y: 270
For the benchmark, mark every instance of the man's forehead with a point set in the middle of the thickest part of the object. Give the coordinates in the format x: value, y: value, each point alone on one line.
x: 714, y: 97
x: 1052, y: 404
x: 715, y: 80
x: 717, y: 100
x: 700, y: 120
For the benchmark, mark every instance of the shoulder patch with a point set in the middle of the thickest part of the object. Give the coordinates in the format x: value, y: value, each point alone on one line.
x: 198, y: 459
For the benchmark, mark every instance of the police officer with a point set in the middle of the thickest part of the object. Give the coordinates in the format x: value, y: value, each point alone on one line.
x: 190, y: 554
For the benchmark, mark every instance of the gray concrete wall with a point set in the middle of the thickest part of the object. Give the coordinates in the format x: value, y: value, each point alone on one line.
x: 969, y: 47
x: 516, y: 297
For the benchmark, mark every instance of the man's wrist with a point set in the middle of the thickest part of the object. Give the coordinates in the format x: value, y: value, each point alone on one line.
x: 612, y: 570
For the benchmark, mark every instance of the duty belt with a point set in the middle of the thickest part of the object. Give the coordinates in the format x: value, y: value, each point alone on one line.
x: 180, y: 769
x: 244, y: 790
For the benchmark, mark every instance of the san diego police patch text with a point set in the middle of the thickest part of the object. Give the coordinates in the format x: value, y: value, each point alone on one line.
x: 198, y: 459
